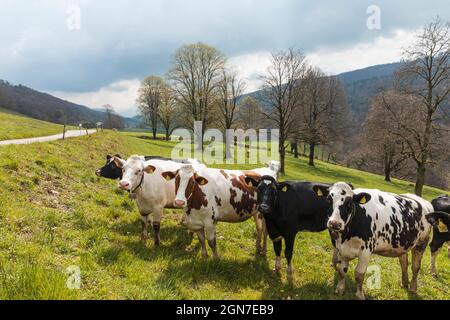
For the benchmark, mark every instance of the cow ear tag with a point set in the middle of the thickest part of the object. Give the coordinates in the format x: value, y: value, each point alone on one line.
x: 167, y: 178
x: 284, y: 189
x: 319, y: 193
x: 202, y: 182
x: 442, y: 227
x: 363, y: 200
x: 250, y: 183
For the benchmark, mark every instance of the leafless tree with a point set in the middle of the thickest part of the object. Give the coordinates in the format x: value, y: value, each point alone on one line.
x: 149, y: 100
x: 250, y: 114
x: 426, y: 78
x: 195, y: 75
x: 109, y: 112
x: 322, y: 103
x: 282, y: 92
x: 379, y: 145
x: 168, y: 111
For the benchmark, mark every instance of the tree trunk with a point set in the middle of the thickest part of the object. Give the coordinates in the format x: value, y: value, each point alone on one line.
x: 420, y: 180
x: 387, y: 167
x: 312, y: 147
x: 154, y: 133
x: 167, y: 134
x: 295, y: 147
x: 282, y: 156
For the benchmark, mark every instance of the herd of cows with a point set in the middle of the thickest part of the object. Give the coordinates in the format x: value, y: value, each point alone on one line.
x: 361, y: 222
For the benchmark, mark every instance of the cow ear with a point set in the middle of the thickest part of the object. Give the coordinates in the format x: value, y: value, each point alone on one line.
x: 119, y: 162
x: 250, y: 181
x: 200, y: 180
x: 283, y: 187
x: 440, y: 220
x: 169, y: 175
x: 108, y: 157
x: 320, y: 191
x: 149, y: 169
x: 362, y: 198
x: 118, y: 156
x: 351, y: 185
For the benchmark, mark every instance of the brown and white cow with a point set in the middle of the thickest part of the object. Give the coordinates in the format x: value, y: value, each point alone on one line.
x: 211, y: 195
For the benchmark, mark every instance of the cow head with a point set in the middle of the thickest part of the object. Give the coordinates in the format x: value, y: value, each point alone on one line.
x: 187, y: 180
x: 343, y: 199
x: 132, y: 171
x: 268, y: 189
x: 110, y: 170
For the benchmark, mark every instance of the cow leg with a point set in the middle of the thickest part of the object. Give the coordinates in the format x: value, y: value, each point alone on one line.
x: 433, y: 262
x: 157, y: 213
x: 288, y: 250
x: 259, y: 232
x: 201, y: 238
x: 211, y: 237
x: 360, y: 272
x: 335, y: 259
x: 417, y: 254
x: 264, y: 235
x: 144, y: 224
x: 277, y: 244
x: 190, y: 238
x: 404, y: 266
x: 342, y: 268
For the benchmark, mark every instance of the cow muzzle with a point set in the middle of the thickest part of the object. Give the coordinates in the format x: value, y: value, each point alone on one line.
x: 264, y: 208
x: 98, y: 173
x: 334, y: 225
x: 179, y: 203
x: 124, y: 185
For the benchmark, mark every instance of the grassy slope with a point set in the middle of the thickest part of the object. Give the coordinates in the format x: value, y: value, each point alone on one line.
x: 15, y: 126
x: 91, y: 224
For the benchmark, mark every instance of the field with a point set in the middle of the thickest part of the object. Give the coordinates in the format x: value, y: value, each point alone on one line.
x: 16, y: 126
x: 55, y: 213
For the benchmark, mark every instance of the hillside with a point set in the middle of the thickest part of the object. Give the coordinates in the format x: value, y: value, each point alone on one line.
x: 359, y: 85
x: 44, y: 106
x: 16, y: 126
x: 55, y: 213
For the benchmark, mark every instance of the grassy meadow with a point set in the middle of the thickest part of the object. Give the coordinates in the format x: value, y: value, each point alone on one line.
x: 17, y: 126
x: 55, y: 213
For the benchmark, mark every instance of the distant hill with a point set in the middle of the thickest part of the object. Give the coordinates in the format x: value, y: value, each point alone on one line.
x: 44, y: 106
x: 360, y: 85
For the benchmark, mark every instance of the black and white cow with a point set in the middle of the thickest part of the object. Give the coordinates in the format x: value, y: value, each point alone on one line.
x: 111, y: 171
x: 441, y: 227
x: 368, y: 221
x: 289, y: 207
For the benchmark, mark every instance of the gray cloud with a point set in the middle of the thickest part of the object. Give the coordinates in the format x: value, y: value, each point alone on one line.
x: 123, y: 40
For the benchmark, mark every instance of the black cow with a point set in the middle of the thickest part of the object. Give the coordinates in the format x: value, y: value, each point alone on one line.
x: 289, y: 207
x: 111, y: 171
x: 441, y: 233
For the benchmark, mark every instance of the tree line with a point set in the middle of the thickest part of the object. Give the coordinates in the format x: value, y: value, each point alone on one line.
x: 405, y: 129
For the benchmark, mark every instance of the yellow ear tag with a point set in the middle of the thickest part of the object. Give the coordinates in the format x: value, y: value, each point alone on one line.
x: 250, y: 183
x: 442, y: 227
x: 363, y: 200
x: 167, y: 178
x: 284, y: 189
x: 319, y: 193
x: 202, y: 182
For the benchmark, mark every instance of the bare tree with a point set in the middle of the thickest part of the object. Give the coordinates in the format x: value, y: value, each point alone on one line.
x: 195, y: 75
x: 109, y: 112
x: 281, y: 91
x: 321, y: 102
x: 380, y: 146
x: 150, y: 99
x: 426, y: 77
x: 229, y: 89
x: 168, y: 111
x: 250, y: 114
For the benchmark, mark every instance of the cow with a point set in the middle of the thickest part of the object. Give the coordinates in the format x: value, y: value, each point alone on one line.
x: 142, y: 179
x: 289, y: 207
x: 441, y: 234
x: 369, y: 221
x: 111, y: 171
x: 211, y: 195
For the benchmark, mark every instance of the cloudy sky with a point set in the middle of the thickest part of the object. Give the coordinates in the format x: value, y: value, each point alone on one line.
x: 95, y: 52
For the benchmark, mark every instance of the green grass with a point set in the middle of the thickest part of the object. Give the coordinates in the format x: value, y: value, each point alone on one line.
x: 15, y: 126
x: 54, y: 213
